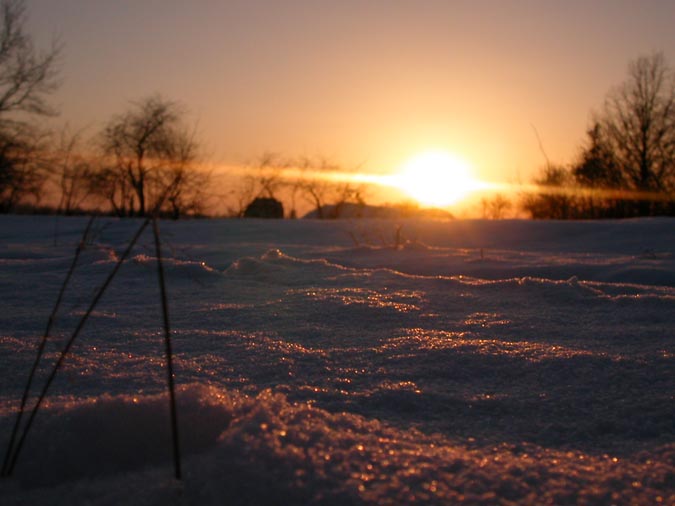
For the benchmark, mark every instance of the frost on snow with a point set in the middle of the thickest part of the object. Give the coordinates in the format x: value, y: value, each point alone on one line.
x: 479, y: 362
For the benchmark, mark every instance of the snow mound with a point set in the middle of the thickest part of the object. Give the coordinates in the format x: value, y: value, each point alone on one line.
x: 265, y: 450
x: 276, y: 267
x: 87, y: 438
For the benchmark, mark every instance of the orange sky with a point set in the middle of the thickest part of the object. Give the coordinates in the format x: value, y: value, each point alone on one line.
x: 367, y: 82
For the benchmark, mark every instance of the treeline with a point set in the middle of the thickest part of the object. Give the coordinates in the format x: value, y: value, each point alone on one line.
x: 316, y: 182
x: 626, y: 167
x: 141, y: 157
x: 147, y: 158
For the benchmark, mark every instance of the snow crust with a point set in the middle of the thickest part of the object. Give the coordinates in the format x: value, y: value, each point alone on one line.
x: 364, y: 362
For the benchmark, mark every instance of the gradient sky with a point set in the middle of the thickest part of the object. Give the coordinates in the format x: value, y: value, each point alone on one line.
x: 364, y: 82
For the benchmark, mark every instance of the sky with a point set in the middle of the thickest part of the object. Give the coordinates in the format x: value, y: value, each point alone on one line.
x: 367, y: 83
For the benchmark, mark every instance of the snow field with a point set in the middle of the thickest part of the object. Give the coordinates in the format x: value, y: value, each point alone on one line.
x: 480, y: 362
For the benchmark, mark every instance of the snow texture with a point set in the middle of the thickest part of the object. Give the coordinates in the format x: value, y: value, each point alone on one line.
x: 351, y: 362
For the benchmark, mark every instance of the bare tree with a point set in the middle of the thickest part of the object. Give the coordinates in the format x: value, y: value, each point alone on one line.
x: 145, y: 144
x: 243, y: 194
x: 186, y: 184
x: 316, y: 192
x: 269, y: 178
x: 22, y: 166
x: 111, y: 185
x: 26, y: 76
x: 330, y: 189
x: 264, y: 178
x: 344, y: 195
x: 26, y: 80
x: 495, y: 208
x: 72, y: 171
x: 312, y: 179
x: 317, y: 189
x: 638, y: 121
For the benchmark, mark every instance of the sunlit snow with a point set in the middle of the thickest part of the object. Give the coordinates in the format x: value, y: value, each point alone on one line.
x: 347, y: 362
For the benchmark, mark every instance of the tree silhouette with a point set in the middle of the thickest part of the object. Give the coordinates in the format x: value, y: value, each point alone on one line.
x: 27, y: 77
x: 145, y: 145
x: 496, y: 207
x: 72, y: 171
x: 598, y: 167
x: 638, y: 126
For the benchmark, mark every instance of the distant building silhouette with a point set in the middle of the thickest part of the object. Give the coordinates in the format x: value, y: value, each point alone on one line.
x: 264, y: 208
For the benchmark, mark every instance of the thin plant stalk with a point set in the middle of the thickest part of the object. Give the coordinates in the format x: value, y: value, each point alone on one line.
x: 41, y: 347
x: 80, y: 325
x: 69, y: 343
x: 169, y: 353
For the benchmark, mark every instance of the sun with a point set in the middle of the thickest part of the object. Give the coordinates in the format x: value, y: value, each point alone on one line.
x: 436, y: 178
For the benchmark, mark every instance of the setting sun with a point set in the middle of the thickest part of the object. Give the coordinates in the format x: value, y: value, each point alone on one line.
x: 436, y: 178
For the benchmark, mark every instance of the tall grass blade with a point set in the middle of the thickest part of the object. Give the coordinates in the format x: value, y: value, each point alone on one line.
x: 153, y: 215
x: 41, y: 347
x: 69, y: 344
x: 169, y: 353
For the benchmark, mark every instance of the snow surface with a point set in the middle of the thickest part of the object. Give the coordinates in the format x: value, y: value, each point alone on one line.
x: 349, y: 362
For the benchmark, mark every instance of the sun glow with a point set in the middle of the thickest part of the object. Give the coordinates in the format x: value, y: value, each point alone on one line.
x: 436, y: 178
